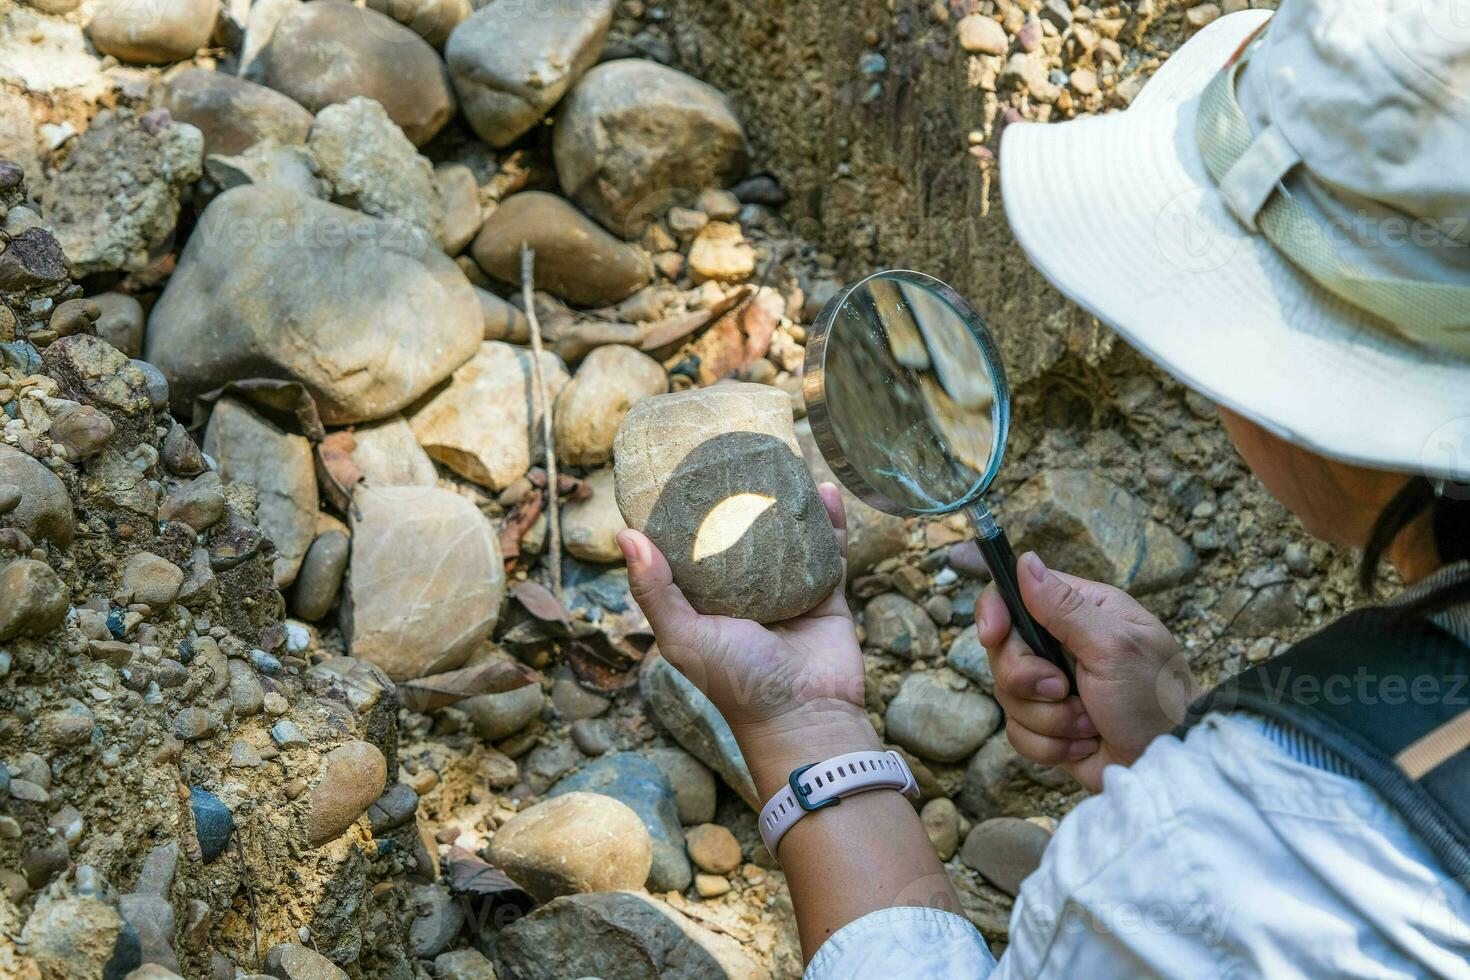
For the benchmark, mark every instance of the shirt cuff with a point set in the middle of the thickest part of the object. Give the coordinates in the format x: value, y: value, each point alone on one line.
x: 906, y: 942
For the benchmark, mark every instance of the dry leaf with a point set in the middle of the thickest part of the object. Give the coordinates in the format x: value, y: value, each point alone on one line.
x: 490, y: 677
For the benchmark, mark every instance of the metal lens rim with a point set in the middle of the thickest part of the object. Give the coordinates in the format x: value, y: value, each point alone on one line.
x: 814, y: 393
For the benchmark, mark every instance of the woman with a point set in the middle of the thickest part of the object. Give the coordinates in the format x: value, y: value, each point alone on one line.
x: 1234, y: 224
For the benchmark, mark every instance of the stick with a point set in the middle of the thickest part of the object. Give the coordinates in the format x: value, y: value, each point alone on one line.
x: 553, y: 520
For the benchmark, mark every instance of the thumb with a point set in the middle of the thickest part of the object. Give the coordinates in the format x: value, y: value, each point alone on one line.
x: 651, y: 581
x: 1064, y: 610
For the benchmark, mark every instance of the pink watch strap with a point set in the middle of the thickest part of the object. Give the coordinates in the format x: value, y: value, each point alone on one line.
x: 825, y: 783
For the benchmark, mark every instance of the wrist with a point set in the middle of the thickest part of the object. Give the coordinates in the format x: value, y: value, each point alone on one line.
x: 815, y: 731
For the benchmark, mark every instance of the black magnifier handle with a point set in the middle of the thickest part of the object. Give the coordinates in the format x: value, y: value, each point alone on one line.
x: 1001, y: 560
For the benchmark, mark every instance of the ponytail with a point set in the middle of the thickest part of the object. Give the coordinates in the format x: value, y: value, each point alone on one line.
x: 1449, y: 507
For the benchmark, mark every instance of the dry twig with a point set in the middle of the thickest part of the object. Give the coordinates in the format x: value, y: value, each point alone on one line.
x: 553, y: 519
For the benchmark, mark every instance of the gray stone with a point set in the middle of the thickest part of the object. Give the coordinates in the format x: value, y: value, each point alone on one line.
x: 151, y: 580
x: 290, y: 961
x: 575, y: 259
x: 191, y: 724
x: 432, y: 20
x: 577, y: 842
x: 44, y: 512
x: 591, y: 736
x: 116, y: 199
x: 329, y: 51
x: 152, y: 918
x: 232, y: 113
x: 934, y: 719
x: 631, y: 779
x: 1084, y: 524
x: 901, y: 627
x: 214, y: 824
x: 696, y: 724
x: 393, y: 809
x: 249, y: 448
x: 439, y: 541
x: 459, y: 198
x: 77, y: 937
x: 1005, y: 850
x: 692, y: 782
x: 291, y: 168
x: 120, y: 322
x: 33, y: 599
x: 622, y: 935
x: 437, y: 920
x: 589, y: 528
x: 264, y: 261
x: 510, y: 65
x: 969, y: 658
x: 372, y: 167
x: 320, y: 577
x: 287, y: 736
x: 635, y: 137
x: 463, y: 964
x: 998, y: 780
x: 573, y: 701
x: 715, y: 478
x: 497, y: 715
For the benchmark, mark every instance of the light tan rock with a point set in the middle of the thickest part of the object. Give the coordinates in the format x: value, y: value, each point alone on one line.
x: 589, y: 528
x: 372, y: 166
x: 425, y: 580
x: 720, y: 252
x: 151, y: 580
x: 233, y: 113
x: 432, y: 20
x: 44, y: 512
x: 715, y: 478
x: 249, y: 448
x: 152, y: 33
x: 608, y: 382
x: 486, y: 424
x: 275, y: 284
x: 352, y: 778
x: 459, y: 197
x: 389, y: 456
x: 33, y: 599
x: 578, y: 842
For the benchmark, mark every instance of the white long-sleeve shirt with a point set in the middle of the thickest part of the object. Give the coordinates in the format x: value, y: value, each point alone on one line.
x: 1236, y: 852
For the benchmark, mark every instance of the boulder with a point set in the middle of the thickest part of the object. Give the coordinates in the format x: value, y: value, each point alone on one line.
x: 693, y: 721
x: 872, y: 536
x: 372, y: 167
x: 631, y: 779
x: 937, y: 717
x: 575, y: 259
x: 44, y: 512
x: 155, y: 33
x: 635, y: 137
x: 232, y: 113
x: 1005, y: 850
x: 328, y: 51
x: 589, y: 528
x: 432, y: 20
x: 608, y: 382
x: 1087, y: 525
x: 249, y: 448
x: 623, y: 935
x: 438, y: 541
x: 387, y: 455
x: 486, y: 423
x: 353, y: 776
x: 715, y: 478
x: 274, y: 284
x: 512, y: 63
x: 578, y: 842
x: 115, y: 201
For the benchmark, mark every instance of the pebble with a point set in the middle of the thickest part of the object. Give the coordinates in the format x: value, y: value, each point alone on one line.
x: 168, y: 31
x: 327, y: 52
x: 590, y: 527
x: 432, y: 20
x: 151, y: 580
x: 968, y: 657
x: 320, y: 577
x: 33, y: 599
x: 78, y: 937
x: 900, y: 626
x: 495, y: 716
x: 233, y: 114
x: 353, y: 777
x: 589, y: 410
x: 932, y: 719
x: 291, y: 961
x: 152, y: 919
x: 721, y: 253
x: 200, y: 503
x: 44, y: 512
x: 591, y: 736
x: 243, y: 755
x: 942, y: 823
x: 1005, y: 850
x: 213, y: 823
x: 573, y: 701
x: 393, y: 809
x: 713, y: 848
x: 192, y: 724
x: 287, y: 736
x: 575, y: 259
x: 578, y: 842
x: 463, y: 964
x: 711, y: 886
x: 980, y: 34
x: 82, y: 431
x: 459, y: 196
x: 245, y: 692
x: 1201, y: 15
x: 437, y: 922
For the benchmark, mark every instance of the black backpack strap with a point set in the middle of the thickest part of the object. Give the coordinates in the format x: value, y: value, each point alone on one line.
x: 1390, y: 695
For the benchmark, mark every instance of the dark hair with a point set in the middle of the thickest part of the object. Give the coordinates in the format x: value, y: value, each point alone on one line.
x: 1448, y: 504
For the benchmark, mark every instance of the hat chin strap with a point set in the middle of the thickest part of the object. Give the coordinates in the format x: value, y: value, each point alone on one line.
x: 1248, y: 169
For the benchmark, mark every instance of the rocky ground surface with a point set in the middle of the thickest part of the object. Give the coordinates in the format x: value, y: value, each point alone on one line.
x: 284, y: 687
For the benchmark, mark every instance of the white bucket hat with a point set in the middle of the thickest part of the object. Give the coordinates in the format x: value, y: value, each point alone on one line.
x: 1281, y: 220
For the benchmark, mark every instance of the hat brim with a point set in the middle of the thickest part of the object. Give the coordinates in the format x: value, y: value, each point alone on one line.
x: 1119, y: 213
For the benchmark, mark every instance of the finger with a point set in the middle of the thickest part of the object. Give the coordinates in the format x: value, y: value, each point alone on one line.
x: 1048, y: 751
x: 1057, y: 719
x: 992, y: 618
x: 1022, y: 674
x: 836, y: 513
x: 1071, y: 613
x: 651, y: 581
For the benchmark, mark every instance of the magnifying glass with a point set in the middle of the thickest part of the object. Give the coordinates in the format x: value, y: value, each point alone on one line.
x: 909, y: 405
